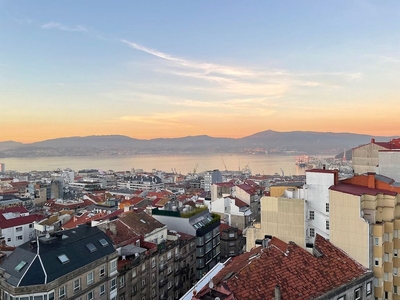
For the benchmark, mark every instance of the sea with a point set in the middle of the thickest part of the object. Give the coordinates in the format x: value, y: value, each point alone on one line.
x: 182, y: 164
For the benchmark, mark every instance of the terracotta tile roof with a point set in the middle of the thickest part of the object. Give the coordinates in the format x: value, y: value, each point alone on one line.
x: 119, y: 233
x: 140, y: 222
x: 359, y: 190
x: 227, y: 184
x: 14, y: 209
x: 298, y: 273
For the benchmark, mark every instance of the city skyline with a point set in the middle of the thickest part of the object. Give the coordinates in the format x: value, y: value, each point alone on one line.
x: 223, y: 69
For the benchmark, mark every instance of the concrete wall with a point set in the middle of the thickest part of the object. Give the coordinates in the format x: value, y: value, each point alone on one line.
x: 389, y: 164
x: 348, y: 230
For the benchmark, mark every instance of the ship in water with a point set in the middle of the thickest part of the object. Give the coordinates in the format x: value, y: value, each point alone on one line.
x: 302, y: 161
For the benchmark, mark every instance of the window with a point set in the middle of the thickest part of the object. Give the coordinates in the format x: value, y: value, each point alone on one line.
x: 395, y: 233
x: 77, y: 284
x: 30, y: 225
x: 20, y: 266
x: 89, y: 278
x: 376, y: 260
x: 357, y: 294
x: 8, y: 239
x: 103, y: 242
x: 102, y: 271
x: 153, y: 262
x: 18, y: 228
x: 312, y: 232
x: 327, y: 207
x: 90, y: 296
x: 386, y: 295
x: 144, y: 266
x: 102, y: 289
x: 113, y: 284
x: 232, y: 235
x: 143, y: 282
x: 369, y: 288
x: 121, y: 281
x: 133, y: 273
x: 63, y: 258
x: 134, y: 289
x: 19, y: 237
x: 395, y: 252
x: 386, y: 257
x: 376, y: 241
x: 113, y: 266
x: 311, y: 214
x: 62, y: 292
x: 169, y: 255
x: 385, y: 276
x: 395, y: 271
x: 376, y: 282
x: 169, y: 284
x: 342, y: 297
x: 327, y: 225
x: 386, y: 237
x: 395, y: 289
x: 91, y: 247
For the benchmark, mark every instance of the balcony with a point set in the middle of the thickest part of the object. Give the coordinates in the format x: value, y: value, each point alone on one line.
x: 177, y: 271
x: 177, y: 256
x: 162, y: 282
x: 164, y: 296
x: 177, y: 285
x: 162, y: 267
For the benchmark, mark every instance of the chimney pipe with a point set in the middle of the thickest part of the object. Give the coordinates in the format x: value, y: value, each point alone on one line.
x: 277, y: 293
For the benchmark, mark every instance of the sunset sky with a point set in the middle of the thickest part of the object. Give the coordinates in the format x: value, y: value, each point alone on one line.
x: 149, y: 69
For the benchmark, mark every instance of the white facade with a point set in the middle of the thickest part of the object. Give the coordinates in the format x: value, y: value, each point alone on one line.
x: 16, y: 236
x: 389, y: 164
x: 317, y: 196
x: 228, y: 208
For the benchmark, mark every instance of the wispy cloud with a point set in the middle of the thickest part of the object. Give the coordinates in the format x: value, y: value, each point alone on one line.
x: 59, y: 26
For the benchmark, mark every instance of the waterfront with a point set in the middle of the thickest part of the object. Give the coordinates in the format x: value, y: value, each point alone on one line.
x: 258, y: 164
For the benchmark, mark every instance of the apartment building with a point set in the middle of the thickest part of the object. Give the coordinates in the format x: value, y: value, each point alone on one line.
x: 73, y: 264
x: 200, y: 223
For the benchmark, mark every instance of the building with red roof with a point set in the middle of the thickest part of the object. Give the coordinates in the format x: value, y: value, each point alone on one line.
x: 17, y: 225
x: 287, y: 271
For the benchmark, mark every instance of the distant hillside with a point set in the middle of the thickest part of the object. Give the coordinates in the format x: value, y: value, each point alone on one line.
x: 267, y: 141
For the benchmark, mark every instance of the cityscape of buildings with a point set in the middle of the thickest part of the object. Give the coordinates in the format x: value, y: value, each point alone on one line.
x: 333, y: 233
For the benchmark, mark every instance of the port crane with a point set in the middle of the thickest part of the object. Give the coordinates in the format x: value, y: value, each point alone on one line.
x: 283, y: 173
x: 226, y: 169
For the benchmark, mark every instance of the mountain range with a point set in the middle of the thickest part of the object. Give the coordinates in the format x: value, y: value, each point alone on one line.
x: 270, y: 141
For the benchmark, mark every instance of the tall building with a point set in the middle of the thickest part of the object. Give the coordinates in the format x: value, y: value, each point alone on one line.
x: 73, y: 264
x: 211, y: 177
x: 2, y: 168
x: 198, y: 222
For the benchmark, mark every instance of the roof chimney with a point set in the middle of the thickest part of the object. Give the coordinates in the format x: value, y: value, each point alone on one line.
x: 372, y: 141
x: 371, y: 180
x: 277, y: 293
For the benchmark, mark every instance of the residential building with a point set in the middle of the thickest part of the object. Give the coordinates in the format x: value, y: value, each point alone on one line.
x: 73, y: 264
x: 200, y: 223
x: 232, y: 241
x: 366, y: 157
x: 280, y: 270
x: 211, y: 177
x: 233, y: 211
x: 17, y: 225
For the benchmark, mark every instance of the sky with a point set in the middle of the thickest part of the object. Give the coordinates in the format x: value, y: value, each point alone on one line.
x: 150, y: 69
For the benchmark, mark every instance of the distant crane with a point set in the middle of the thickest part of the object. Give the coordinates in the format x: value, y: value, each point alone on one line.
x: 283, y: 173
x: 195, y: 168
x: 226, y: 169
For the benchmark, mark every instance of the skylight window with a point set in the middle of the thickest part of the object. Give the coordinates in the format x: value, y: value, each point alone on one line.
x: 103, y: 242
x: 91, y: 247
x: 63, y: 258
x: 20, y: 266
